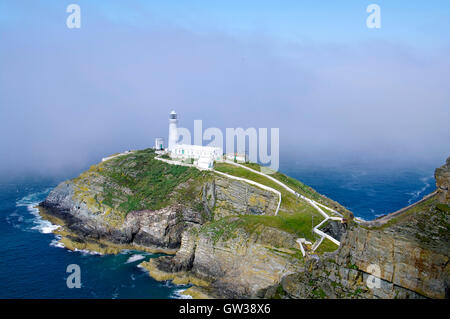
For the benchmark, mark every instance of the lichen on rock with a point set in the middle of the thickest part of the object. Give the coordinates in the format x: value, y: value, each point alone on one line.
x: 226, y: 241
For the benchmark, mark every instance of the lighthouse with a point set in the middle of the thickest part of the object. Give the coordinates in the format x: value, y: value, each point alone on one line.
x: 173, y: 134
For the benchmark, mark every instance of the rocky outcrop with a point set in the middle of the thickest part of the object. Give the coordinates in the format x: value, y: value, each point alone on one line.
x: 401, y: 255
x: 371, y: 264
x: 238, y: 198
x: 402, y: 266
x: 154, y: 229
x: 224, y: 252
x: 412, y: 253
x: 324, y: 278
x: 442, y: 175
x: 335, y: 229
x: 76, y: 203
x: 162, y: 228
x: 239, y: 264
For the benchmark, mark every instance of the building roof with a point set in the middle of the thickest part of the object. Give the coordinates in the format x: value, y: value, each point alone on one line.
x: 198, y: 147
x: 205, y: 159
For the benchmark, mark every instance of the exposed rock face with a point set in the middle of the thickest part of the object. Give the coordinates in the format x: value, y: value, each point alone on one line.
x: 235, y: 197
x: 161, y: 228
x: 413, y: 253
x: 442, y: 175
x: 153, y: 228
x: 233, y: 256
x: 241, y: 265
x: 407, y: 252
x: 324, y: 278
x: 406, y: 268
x: 335, y: 229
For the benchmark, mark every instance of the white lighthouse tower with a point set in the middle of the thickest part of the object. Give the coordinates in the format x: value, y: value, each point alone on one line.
x: 173, y: 133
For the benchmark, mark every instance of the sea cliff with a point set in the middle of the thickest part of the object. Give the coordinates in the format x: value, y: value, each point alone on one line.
x: 222, y: 235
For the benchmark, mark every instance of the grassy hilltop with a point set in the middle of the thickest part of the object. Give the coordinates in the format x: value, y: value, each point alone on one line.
x: 137, y: 181
x: 228, y: 241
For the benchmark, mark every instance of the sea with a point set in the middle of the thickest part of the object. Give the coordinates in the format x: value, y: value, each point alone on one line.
x: 34, y: 265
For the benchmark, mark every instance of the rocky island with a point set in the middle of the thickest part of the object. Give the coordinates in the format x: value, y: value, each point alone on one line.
x: 234, y: 239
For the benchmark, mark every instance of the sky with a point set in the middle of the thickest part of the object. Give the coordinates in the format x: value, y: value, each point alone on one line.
x: 337, y: 90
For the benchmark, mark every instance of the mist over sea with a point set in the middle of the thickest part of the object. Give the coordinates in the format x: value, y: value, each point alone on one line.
x: 369, y: 191
x: 33, y: 265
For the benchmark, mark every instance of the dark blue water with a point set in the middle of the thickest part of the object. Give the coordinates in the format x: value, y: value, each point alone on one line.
x: 368, y: 191
x: 32, y: 266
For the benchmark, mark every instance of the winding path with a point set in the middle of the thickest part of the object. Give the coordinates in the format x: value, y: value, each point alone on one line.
x: 316, y: 205
x: 312, y: 202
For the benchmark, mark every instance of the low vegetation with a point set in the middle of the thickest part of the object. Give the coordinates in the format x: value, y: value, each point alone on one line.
x: 326, y: 246
x: 298, y: 224
x: 295, y: 215
x: 296, y: 185
x: 254, y: 166
x: 423, y: 206
x: 137, y: 181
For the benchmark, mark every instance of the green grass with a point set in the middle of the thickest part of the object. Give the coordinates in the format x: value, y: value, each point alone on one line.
x: 424, y: 206
x: 289, y: 201
x: 352, y: 266
x: 318, y: 293
x: 294, y: 184
x: 443, y: 208
x: 225, y: 228
x: 298, y: 224
x: 138, y: 181
x: 280, y: 293
x: 295, y: 216
x: 254, y: 166
x: 151, y: 182
x: 309, y: 192
x: 326, y: 246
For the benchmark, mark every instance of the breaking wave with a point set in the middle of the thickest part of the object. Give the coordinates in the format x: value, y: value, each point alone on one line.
x: 134, y: 258
x: 56, y: 242
x: 30, y: 202
x: 178, y: 294
x: 415, y: 195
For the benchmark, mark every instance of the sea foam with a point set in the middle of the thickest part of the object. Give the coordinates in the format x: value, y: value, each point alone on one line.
x: 30, y: 202
x: 416, y: 194
x: 178, y: 294
x: 134, y: 258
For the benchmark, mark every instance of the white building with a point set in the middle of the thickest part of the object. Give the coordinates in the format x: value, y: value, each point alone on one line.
x: 173, y: 132
x: 238, y: 157
x: 159, y: 143
x: 205, y: 163
x: 186, y: 151
x: 203, y: 156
